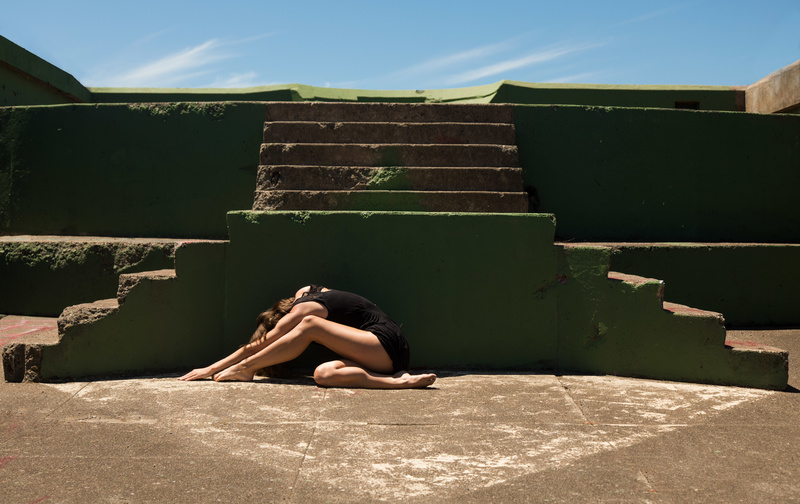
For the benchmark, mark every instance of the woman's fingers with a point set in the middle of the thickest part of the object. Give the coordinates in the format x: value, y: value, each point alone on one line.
x: 195, y: 374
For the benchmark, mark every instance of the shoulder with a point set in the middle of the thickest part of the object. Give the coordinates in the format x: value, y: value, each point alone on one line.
x: 310, y: 307
x: 310, y: 289
x: 302, y: 291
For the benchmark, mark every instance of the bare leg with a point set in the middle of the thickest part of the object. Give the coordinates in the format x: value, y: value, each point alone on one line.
x: 362, y: 347
x: 345, y: 373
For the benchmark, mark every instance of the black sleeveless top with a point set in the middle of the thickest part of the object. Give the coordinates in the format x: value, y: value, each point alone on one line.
x: 356, y: 311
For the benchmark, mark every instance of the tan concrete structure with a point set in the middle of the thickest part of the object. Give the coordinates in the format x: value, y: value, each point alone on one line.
x: 777, y: 92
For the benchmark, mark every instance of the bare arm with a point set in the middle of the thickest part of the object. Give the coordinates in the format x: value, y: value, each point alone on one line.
x: 283, y: 326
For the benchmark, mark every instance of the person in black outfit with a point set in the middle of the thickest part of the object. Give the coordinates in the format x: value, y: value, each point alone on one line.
x: 373, y: 348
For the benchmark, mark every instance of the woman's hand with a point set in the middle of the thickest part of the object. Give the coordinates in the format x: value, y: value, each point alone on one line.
x: 197, y: 374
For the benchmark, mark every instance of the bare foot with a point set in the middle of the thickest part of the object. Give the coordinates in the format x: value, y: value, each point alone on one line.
x: 407, y: 380
x: 234, y: 373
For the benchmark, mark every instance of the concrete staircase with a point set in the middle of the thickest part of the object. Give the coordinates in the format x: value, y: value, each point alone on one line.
x: 388, y: 156
x: 630, y: 330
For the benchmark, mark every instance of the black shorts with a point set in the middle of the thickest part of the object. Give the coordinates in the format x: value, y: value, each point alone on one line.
x: 394, y: 342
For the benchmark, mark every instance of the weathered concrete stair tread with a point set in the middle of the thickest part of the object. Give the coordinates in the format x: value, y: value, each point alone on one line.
x: 641, y: 282
x: 388, y: 154
x: 432, y: 201
x: 389, y: 112
x: 21, y: 341
x: 688, y: 311
x: 130, y: 280
x: 393, y: 133
x: 29, y: 330
x: 752, y: 346
x: 632, y: 279
x: 86, y: 313
x: 675, y: 308
x: 428, y: 178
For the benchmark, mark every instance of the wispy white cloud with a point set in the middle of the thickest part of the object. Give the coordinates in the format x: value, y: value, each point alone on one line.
x: 173, y: 68
x: 438, y: 64
x: 535, y: 58
x: 182, y: 66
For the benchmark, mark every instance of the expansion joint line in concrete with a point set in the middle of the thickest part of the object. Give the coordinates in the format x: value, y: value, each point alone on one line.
x: 68, y: 399
x: 308, y: 446
x: 572, y: 400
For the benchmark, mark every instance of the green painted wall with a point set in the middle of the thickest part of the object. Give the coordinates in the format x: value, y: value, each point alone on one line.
x: 168, y: 170
x: 622, y: 174
x: 469, y: 289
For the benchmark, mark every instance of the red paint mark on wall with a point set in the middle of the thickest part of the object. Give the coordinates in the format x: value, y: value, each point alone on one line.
x: 5, y: 460
x: 40, y: 499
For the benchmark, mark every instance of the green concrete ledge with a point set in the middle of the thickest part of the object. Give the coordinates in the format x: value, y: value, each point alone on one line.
x: 30, y: 80
x: 723, y: 98
x: 471, y: 291
x: 446, y: 277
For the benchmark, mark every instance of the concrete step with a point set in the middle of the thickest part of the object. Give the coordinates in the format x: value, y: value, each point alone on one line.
x: 374, y: 178
x: 688, y: 311
x: 656, y: 287
x: 388, y: 112
x: 423, y: 201
x: 394, y: 133
x: 652, y: 284
x: 130, y: 280
x: 753, y: 284
x: 86, y: 313
x: 21, y: 339
x: 388, y: 155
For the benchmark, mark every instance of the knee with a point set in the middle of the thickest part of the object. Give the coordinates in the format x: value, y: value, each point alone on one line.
x: 309, y: 322
x: 325, y: 374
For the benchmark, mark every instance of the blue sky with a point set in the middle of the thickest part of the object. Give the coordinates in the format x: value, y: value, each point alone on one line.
x: 407, y: 44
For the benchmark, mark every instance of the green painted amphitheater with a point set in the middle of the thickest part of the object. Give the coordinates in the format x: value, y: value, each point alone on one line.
x: 515, y: 226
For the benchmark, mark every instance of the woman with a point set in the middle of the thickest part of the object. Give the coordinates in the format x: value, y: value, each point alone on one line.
x: 374, y: 349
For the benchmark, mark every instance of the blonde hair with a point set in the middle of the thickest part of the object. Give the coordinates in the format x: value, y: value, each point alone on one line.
x: 265, y: 322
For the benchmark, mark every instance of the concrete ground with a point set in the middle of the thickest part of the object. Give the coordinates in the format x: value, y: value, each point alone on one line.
x: 472, y: 438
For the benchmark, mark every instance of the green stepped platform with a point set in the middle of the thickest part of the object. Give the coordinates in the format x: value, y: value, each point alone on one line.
x: 422, y: 208
x: 452, y: 279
